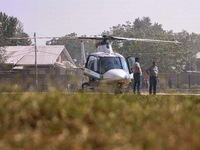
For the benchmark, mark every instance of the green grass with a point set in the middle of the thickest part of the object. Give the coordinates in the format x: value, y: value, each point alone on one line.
x: 58, y: 121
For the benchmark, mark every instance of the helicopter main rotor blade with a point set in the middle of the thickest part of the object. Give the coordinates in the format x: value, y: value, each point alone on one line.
x: 23, y: 38
x: 146, y: 40
x: 98, y: 38
x: 65, y: 38
x: 129, y: 39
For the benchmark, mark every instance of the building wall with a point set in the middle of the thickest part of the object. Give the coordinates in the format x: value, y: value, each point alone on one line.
x: 47, y: 77
x: 198, y: 64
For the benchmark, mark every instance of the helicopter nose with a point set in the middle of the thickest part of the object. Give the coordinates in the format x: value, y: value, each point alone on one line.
x: 116, y: 74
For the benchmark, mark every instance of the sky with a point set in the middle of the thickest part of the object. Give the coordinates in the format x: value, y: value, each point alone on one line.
x: 92, y: 17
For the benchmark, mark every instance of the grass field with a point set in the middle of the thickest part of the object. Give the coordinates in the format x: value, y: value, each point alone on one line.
x: 58, y: 121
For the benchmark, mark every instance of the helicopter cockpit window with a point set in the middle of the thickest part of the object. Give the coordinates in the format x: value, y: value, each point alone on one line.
x: 92, y: 63
x: 108, y: 63
x: 124, y: 64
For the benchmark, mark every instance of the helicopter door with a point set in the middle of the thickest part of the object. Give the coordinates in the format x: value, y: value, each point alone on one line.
x: 91, y: 68
x: 130, y: 62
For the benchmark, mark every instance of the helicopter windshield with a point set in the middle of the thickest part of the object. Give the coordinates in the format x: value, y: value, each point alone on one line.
x: 124, y: 64
x: 108, y: 63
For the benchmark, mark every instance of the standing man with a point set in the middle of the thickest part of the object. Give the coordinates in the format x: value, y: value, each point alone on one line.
x: 152, y: 71
x: 137, y: 74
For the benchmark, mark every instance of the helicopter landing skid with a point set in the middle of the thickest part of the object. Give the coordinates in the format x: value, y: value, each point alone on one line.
x: 87, y: 87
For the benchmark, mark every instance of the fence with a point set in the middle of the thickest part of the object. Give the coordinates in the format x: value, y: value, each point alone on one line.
x: 182, y: 80
x: 18, y: 81
x: 10, y: 80
x: 174, y: 81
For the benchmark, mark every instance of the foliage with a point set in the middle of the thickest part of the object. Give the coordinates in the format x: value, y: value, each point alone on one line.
x: 101, y: 121
x: 170, y: 57
x: 2, y: 54
x: 11, y: 27
x: 74, y: 46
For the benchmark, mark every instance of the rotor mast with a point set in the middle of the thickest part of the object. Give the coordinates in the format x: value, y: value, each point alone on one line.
x: 104, y: 46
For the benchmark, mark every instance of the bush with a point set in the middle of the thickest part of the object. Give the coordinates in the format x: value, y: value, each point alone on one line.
x: 98, y: 121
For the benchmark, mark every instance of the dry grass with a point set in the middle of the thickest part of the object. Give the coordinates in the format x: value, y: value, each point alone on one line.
x: 55, y: 121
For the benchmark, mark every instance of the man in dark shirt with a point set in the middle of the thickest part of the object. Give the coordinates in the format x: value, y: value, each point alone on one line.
x: 152, y: 71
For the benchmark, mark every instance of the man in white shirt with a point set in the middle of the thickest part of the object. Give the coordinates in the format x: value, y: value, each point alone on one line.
x: 137, y: 74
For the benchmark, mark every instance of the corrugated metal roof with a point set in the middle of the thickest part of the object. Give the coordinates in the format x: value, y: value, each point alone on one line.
x: 25, y: 55
x: 198, y: 55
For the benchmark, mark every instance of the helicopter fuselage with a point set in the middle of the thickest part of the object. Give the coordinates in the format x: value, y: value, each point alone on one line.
x: 107, y: 68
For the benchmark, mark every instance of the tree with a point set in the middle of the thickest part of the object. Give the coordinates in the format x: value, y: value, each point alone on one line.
x: 20, y: 33
x: 170, y: 57
x: 191, y: 46
x: 74, y: 46
x: 12, y: 27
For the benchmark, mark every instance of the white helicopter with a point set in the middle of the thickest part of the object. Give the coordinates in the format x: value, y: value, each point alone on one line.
x: 104, y: 67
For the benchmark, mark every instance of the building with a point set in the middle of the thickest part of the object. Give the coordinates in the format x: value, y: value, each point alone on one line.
x: 198, y: 61
x: 48, y: 58
x: 52, y: 60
